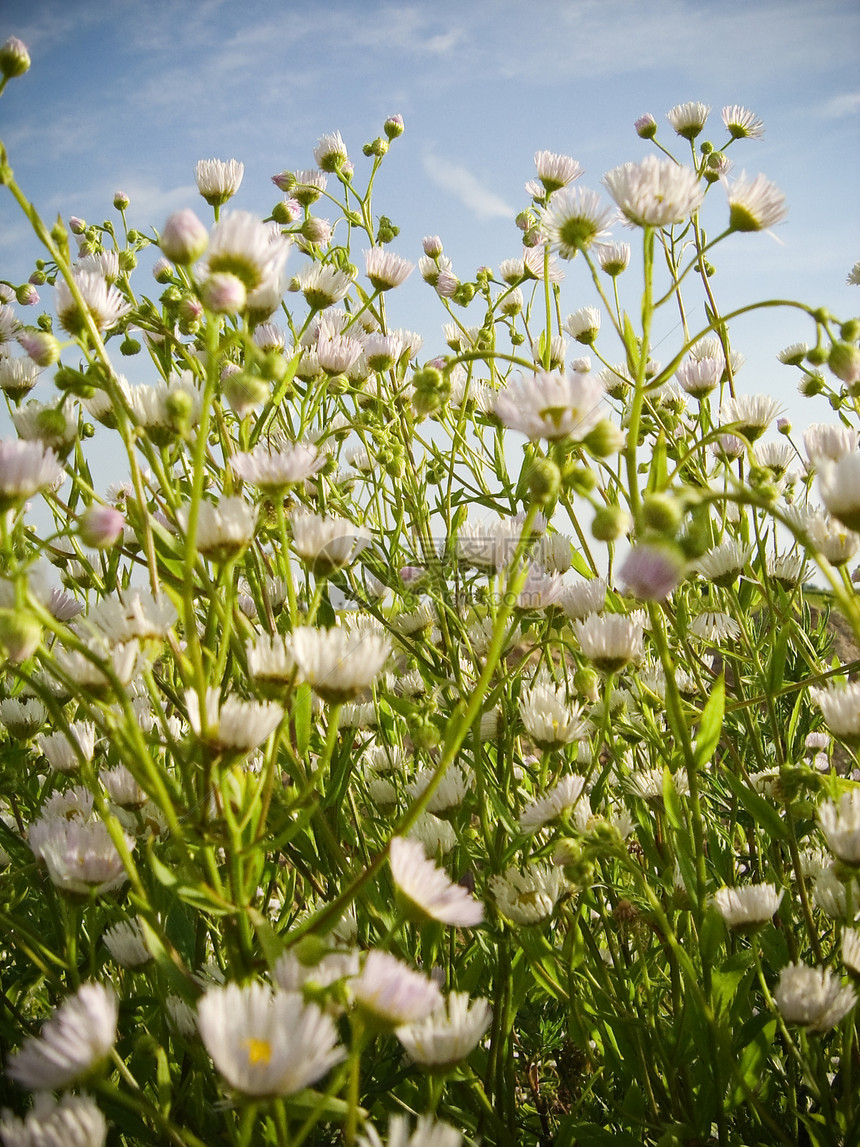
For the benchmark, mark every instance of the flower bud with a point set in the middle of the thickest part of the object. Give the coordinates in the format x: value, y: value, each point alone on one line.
x: 431, y: 390
x: 245, y: 392
x: 811, y: 384
x: 286, y: 211
x: 544, y: 481
x: 646, y: 126
x: 817, y: 355
x: 394, y: 126
x: 162, y: 271
x: 316, y: 230
x: 850, y: 330
x: 662, y: 513
x: 27, y: 295
x: 605, y: 439
x: 129, y: 346
x: 377, y: 147
x: 432, y: 245
x: 578, y: 479
x: 77, y: 226
x: 20, y: 634
x: 101, y: 527
x: 652, y: 570
x: 14, y: 58
x: 844, y: 361
x: 38, y: 278
x: 610, y: 523
x: 783, y: 425
x: 40, y: 346
x: 586, y: 682
x: 224, y: 293
x: 120, y: 200
x: 184, y: 238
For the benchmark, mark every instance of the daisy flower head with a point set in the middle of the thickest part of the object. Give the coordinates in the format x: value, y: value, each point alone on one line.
x: 614, y: 258
x: 687, y: 120
x: 326, y: 544
x: 330, y: 152
x: 755, y: 204
x: 574, y: 220
x: 559, y: 800
x: 224, y: 529
x: 322, y: 285
x: 78, y: 1036
x: 389, y: 993
x: 552, y: 405
x: 275, y: 467
x: 610, y: 640
x: 80, y: 855
x: 427, y: 890
x: 556, y: 171
x: 385, y: 269
x: 583, y: 325
x: 233, y: 725
x: 655, y: 192
x: 242, y: 245
x: 550, y: 720
x: 741, y: 123
x: 26, y: 468
x: 427, y: 1133
x: 749, y: 415
x: 266, y: 1043
x: 746, y: 908
x: 528, y: 897
x: 127, y: 944
x: 839, y: 487
x: 104, y: 304
x: 72, y: 1121
x: 853, y: 279
x: 339, y: 664
x: 814, y: 998
x: 218, y: 179
x: 448, y: 1034
x: 840, y: 824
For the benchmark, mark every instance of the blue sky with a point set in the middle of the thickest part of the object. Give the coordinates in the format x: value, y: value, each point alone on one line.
x: 130, y: 96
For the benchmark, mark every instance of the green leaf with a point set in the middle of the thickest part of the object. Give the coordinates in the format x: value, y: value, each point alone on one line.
x: 302, y: 717
x: 711, y: 724
x: 572, y: 1133
x: 658, y: 471
x: 764, y: 814
x: 269, y: 942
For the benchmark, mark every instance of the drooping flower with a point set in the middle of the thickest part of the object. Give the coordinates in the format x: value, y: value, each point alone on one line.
x: 218, y: 179
x: 427, y: 888
x: 78, y: 1036
x: 266, y: 1043
x: 389, y: 993
x: 755, y: 205
x: 814, y: 998
x: 448, y: 1034
x: 655, y: 192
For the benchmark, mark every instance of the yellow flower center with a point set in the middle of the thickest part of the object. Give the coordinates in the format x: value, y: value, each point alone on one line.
x: 259, y: 1051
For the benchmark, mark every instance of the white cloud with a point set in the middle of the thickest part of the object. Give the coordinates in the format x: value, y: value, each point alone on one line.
x: 839, y: 106
x: 462, y: 183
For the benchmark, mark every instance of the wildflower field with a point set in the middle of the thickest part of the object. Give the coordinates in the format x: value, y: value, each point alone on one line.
x: 429, y: 740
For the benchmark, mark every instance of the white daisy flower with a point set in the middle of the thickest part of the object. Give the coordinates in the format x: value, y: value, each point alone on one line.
x: 839, y: 486
x: 829, y: 442
x: 840, y: 824
x: 688, y: 119
x: 556, y: 171
x: 552, y: 406
x: 748, y: 906
x: 581, y: 598
x: 224, y: 529
x: 65, y: 751
x: 326, y: 544
x: 427, y: 888
x: 814, y: 998
x: 742, y: 123
x: 559, y: 800
x: 218, y: 179
x: 125, y: 942
x: 242, y: 245
x: 80, y: 855
x: 389, y: 993
x: 105, y: 305
x: 338, y: 664
x: 755, y: 205
x: 450, y: 792
x: 330, y: 152
x: 232, y: 724
x: 655, y: 192
x: 427, y: 1133
x: 385, y: 269
x: 71, y: 1121
x: 78, y: 1036
x: 273, y: 468
x: 448, y: 1034
x: 749, y: 414
x: 574, y: 220
x: 266, y: 1043
x: 528, y: 897
x: 610, y: 641
x: 550, y: 719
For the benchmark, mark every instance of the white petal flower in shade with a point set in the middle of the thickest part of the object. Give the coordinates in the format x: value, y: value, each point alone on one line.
x: 559, y: 800
x: 25, y: 468
x: 436, y: 835
x: 786, y: 569
x: 428, y: 890
x: 814, y: 998
x: 715, y: 627
x: 574, y: 220
x: 556, y: 171
x: 448, y: 1034
x: 724, y: 564
x: 450, y: 792
x: 851, y: 950
x: 610, y: 641
x: 337, y: 353
x: 338, y: 664
x: 839, y: 486
x: 244, y: 246
x: 427, y: 1133
x: 18, y: 376
x: 832, y: 540
x: 688, y: 119
x: 223, y: 530
x: 233, y: 724
x: 748, y: 906
x: 55, y: 427
x: 270, y: 660
x: 9, y: 324
x: 655, y: 192
x: 840, y: 824
x: 742, y: 123
x: 218, y: 179
x: 389, y: 993
x: 793, y: 355
x: 385, y: 269
x: 755, y: 204
x: 326, y: 544
x: 103, y: 302
x: 830, y: 895
x: 552, y: 405
x: 550, y: 719
x: 581, y: 598
x: 700, y: 376
x: 840, y: 707
x: 122, y: 788
x: 122, y: 660
x: 266, y: 1043
x: 292, y: 975
x: 78, y: 1036
x: 530, y: 896
x: 133, y: 614
x: 613, y: 258
x: 273, y: 468
x: 65, y: 751
x: 540, y: 590
x: 125, y: 942
x: 72, y: 1121
x: 80, y: 856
